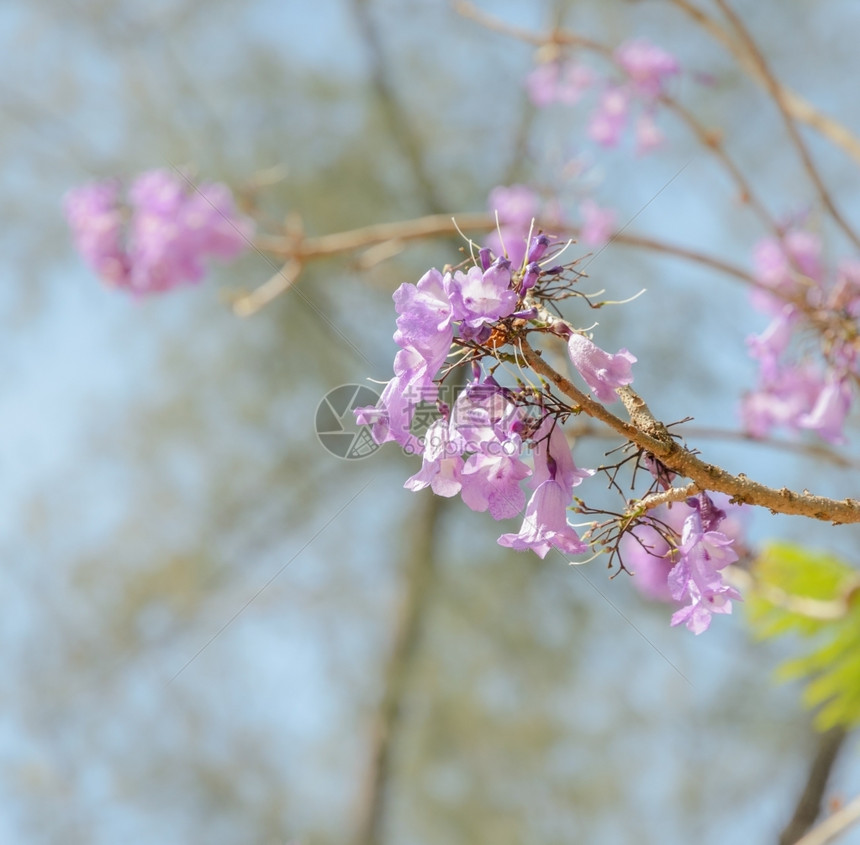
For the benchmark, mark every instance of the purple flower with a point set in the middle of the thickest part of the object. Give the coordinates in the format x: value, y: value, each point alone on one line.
x: 609, y: 119
x: 163, y: 236
x: 602, y: 372
x: 558, y: 82
x: 391, y: 418
x: 175, y: 227
x: 647, y: 66
x: 424, y: 321
x: 782, y: 400
x: 424, y: 333
x: 481, y: 297
x: 441, y: 463
x: 827, y: 416
x: 650, y: 557
x: 537, y: 248
x: 696, y: 576
x: 790, y: 267
x: 96, y: 220
x: 554, y: 459
x: 545, y: 525
x: 491, y: 479
x: 481, y: 414
x: 597, y: 224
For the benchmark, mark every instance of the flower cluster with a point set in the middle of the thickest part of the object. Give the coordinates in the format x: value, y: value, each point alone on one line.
x: 516, y: 207
x: 645, y: 71
x: 679, y: 556
x: 796, y: 391
x: 475, y: 448
x: 160, y: 236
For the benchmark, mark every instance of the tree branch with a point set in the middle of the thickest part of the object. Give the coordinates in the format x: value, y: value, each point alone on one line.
x: 651, y: 435
x: 775, y: 91
x: 834, y: 825
x: 799, y: 108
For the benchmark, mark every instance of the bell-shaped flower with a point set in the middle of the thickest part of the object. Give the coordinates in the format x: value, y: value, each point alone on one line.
x: 545, y: 525
x: 696, y: 576
x: 491, y: 479
x: 441, y: 464
x: 827, y: 416
x: 602, y: 372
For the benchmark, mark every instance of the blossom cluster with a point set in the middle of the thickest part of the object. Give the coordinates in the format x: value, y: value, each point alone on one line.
x: 680, y: 555
x: 516, y: 207
x: 801, y: 384
x: 643, y: 72
x: 159, y: 235
x: 477, y: 445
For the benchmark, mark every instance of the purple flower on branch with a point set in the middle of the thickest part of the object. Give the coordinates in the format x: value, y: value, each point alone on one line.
x: 696, y: 576
x: 545, y: 525
x: 602, y: 372
x: 482, y: 296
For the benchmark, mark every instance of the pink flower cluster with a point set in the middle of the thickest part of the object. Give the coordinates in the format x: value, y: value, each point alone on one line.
x: 517, y: 206
x: 161, y: 235
x: 683, y: 561
x: 645, y: 72
x: 475, y: 447
x: 795, y: 391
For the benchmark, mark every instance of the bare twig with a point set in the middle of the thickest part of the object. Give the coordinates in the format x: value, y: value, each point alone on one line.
x: 296, y: 247
x: 775, y: 90
x: 402, y: 129
x: 799, y: 108
x: 833, y: 826
x: 712, y: 142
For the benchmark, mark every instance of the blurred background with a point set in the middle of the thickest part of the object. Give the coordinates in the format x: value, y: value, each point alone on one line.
x: 213, y: 630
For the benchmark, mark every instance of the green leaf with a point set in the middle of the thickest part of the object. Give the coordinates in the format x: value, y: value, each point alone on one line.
x: 812, y: 596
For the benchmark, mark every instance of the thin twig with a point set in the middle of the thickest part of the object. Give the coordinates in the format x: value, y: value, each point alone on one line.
x: 798, y: 107
x: 775, y: 91
x: 712, y: 142
x: 401, y: 128
x: 709, y: 139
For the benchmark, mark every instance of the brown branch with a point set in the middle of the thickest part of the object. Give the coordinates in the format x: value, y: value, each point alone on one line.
x: 555, y: 36
x: 833, y: 826
x: 651, y: 435
x: 712, y: 142
x: 402, y: 129
x: 816, y: 451
x: 809, y: 803
x: 297, y: 248
x: 775, y: 91
x: 799, y: 108
x: 420, y: 570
